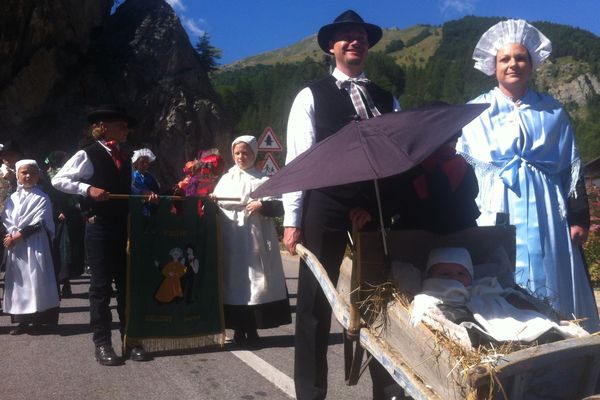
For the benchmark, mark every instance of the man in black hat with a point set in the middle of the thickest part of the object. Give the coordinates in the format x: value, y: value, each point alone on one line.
x: 321, y: 217
x: 94, y: 172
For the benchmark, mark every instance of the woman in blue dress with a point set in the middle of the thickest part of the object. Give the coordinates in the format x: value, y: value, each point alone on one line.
x: 527, y: 165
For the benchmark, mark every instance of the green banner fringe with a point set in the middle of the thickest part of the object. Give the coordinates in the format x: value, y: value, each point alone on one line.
x: 154, y: 345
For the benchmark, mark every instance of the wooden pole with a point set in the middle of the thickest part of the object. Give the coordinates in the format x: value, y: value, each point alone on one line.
x: 114, y: 196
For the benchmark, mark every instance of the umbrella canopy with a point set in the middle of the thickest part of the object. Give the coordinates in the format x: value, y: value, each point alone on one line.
x: 372, y: 149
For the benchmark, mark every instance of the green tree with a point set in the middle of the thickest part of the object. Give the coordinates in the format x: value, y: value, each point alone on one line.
x: 207, y: 53
x: 262, y: 95
x: 394, y: 45
x: 383, y: 70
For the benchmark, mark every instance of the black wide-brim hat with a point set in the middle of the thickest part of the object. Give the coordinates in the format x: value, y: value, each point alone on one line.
x: 110, y: 112
x: 347, y: 18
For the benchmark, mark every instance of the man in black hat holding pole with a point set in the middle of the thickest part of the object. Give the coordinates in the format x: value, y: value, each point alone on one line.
x: 320, y: 218
x: 96, y: 171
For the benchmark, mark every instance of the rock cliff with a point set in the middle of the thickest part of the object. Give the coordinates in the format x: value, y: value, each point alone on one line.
x: 570, y: 82
x: 65, y: 56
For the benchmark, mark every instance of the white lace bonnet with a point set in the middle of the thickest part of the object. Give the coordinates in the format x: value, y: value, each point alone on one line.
x: 143, y: 153
x: 510, y: 31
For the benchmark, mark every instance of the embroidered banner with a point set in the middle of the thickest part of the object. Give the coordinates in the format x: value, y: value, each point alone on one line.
x: 174, y: 294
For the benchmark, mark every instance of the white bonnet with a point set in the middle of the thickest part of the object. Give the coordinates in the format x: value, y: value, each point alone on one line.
x: 143, y: 153
x: 507, y: 32
x: 249, y: 140
x: 454, y: 255
x: 20, y: 163
x: 176, y: 252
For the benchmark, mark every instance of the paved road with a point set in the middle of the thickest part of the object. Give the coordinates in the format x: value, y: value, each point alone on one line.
x: 60, y: 365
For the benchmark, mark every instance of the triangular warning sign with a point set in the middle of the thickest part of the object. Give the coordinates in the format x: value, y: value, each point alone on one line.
x: 269, y: 166
x: 268, y: 141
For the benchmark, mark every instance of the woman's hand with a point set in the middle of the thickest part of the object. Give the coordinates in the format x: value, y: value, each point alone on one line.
x: 579, y: 235
x: 98, y: 194
x: 359, y: 217
x: 253, y: 207
x: 10, y: 239
x: 153, y: 198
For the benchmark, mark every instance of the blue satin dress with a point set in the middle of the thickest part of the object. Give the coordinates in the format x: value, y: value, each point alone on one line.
x: 527, y: 165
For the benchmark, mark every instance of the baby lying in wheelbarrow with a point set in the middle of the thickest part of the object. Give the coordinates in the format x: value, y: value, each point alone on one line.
x: 489, y: 311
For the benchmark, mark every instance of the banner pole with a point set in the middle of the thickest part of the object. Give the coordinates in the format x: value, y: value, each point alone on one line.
x: 116, y: 196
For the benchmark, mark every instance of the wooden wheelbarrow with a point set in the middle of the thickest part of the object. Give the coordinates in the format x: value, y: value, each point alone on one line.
x: 415, y: 357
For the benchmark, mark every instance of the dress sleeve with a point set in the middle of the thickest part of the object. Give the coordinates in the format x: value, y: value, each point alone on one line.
x: 31, y: 229
x: 272, y: 208
x: 578, y: 209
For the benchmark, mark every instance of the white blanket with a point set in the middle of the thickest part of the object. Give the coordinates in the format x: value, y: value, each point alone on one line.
x: 485, y: 299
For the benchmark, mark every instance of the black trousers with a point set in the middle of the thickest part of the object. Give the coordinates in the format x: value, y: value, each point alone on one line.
x: 313, y: 316
x: 106, y: 254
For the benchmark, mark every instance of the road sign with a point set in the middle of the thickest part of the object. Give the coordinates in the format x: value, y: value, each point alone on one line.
x: 269, y: 166
x: 268, y: 141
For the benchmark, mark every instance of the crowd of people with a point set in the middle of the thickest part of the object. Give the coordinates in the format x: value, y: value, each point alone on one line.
x: 518, y: 159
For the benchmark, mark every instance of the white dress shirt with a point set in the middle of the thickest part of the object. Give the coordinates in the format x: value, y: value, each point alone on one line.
x: 301, y: 137
x: 77, y: 169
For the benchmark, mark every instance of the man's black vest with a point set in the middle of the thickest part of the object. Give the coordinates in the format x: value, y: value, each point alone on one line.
x: 106, y: 176
x: 333, y: 110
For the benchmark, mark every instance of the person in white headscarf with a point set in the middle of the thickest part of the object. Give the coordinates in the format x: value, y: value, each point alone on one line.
x: 255, y: 294
x: 527, y: 165
x: 30, y: 292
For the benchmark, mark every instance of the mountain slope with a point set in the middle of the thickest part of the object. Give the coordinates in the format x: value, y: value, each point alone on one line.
x: 308, y: 48
x: 436, y: 65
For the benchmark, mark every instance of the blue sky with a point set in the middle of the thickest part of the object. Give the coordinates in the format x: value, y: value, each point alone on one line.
x: 241, y: 28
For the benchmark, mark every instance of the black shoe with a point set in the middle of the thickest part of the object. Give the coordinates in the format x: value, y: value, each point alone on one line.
x: 137, y: 353
x: 252, y: 338
x: 66, y: 291
x: 19, y: 329
x: 105, y: 355
x: 239, y: 337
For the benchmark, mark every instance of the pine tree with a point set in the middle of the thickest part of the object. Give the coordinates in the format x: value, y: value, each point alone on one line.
x: 207, y: 53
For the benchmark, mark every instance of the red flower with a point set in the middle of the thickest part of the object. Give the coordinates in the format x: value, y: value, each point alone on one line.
x: 201, y: 176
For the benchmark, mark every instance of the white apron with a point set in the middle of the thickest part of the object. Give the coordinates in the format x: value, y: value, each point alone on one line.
x: 253, y: 271
x: 30, y: 283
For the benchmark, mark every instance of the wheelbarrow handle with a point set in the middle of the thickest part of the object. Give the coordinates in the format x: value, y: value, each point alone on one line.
x: 339, y: 305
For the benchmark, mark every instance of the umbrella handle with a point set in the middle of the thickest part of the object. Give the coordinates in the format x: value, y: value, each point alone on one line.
x: 381, y: 227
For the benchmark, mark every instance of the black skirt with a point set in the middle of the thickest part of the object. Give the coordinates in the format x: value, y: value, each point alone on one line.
x: 46, y: 317
x: 259, y: 316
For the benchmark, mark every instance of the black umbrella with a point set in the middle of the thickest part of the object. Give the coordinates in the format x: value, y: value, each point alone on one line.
x: 372, y: 149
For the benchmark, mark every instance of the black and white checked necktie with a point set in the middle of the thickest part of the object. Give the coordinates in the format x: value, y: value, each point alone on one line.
x: 357, y: 87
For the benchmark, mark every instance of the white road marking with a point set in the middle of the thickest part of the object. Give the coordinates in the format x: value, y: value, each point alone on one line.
x: 269, y: 372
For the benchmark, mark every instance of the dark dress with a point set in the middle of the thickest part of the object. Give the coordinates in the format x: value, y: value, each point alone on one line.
x: 438, y: 195
x: 68, y: 247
